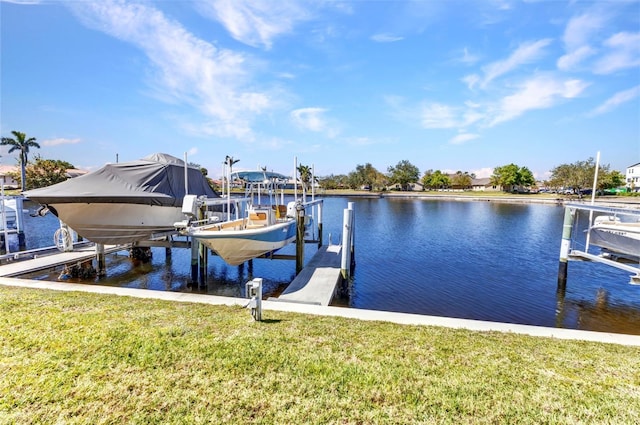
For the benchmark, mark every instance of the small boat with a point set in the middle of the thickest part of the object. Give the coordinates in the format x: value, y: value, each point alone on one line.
x: 616, y: 235
x: 125, y: 202
x: 256, y: 229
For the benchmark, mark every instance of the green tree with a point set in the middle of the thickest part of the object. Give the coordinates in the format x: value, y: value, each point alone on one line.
x: 365, y: 175
x: 462, y: 180
x: 512, y: 177
x: 403, y: 173
x: 436, y: 180
x: 304, y: 171
x: 21, y: 143
x: 580, y: 175
x: 45, y: 172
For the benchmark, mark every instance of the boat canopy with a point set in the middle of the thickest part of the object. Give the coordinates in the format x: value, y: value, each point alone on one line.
x: 157, y: 179
x: 259, y: 176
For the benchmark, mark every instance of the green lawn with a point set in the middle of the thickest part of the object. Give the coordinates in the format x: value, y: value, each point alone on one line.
x: 68, y: 357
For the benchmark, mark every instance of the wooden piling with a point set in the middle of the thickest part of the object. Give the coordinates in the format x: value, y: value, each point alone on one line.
x: 347, y: 228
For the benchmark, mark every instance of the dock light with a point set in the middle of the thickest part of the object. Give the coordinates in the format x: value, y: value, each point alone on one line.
x: 253, y: 290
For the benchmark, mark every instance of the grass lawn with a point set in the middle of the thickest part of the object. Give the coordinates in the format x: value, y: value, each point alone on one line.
x: 70, y: 357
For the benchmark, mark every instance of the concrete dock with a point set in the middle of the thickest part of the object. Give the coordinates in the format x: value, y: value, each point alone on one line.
x: 44, y: 262
x: 316, y: 283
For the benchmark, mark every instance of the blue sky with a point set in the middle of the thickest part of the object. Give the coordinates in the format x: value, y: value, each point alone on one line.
x: 449, y: 85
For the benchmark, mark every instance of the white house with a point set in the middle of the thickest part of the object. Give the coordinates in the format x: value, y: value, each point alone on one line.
x: 633, y: 177
x: 7, y: 180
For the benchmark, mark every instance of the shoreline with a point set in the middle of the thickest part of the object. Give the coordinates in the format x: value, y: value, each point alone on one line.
x: 498, y: 197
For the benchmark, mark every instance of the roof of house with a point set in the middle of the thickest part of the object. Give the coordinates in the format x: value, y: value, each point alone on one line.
x: 634, y: 165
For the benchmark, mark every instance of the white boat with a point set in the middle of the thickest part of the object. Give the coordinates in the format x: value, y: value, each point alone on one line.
x: 125, y: 202
x: 255, y: 230
x: 616, y: 235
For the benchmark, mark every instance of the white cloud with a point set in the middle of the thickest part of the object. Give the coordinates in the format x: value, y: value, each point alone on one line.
x: 483, y: 173
x: 571, y: 60
x: 463, y: 138
x: 468, y: 58
x: 580, y: 29
x: 540, y: 92
x: 624, y: 53
x: 311, y: 119
x: 524, y: 54
x: 436, y: 115
x: 255, y: 22
x: 616, y: 100
x: 385, y: 38
x: 60, y: 141
x: 187, y: 70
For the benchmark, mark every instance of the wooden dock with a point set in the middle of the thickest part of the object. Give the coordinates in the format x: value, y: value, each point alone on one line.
x: 316, y: 283
x: 44, y: 262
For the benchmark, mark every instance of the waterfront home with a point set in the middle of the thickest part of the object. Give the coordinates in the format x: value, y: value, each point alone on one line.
x: 484, y: 185
x: 633, y: 177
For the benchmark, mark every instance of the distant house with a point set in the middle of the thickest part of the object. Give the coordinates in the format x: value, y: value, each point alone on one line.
x: 633, y: 177
x: 484, y: 185
x: 414, y: 187
x: 8, y: 181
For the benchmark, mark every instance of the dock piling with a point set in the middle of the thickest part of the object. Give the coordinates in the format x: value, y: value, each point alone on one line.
x: 565, y: 246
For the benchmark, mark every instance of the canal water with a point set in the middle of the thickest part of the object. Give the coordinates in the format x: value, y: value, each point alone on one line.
x: 475, y: 260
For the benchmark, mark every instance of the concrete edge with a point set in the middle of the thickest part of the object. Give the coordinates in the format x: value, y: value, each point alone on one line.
x: 350, y: 313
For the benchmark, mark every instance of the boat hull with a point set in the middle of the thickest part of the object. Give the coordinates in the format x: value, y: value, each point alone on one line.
x: 621, y: 238
x: 237, y: 246
x: 115, y: 224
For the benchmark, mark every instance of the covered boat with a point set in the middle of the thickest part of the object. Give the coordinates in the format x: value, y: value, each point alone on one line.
x: 125, y: 202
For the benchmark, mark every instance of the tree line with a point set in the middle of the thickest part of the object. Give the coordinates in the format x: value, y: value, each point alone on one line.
x: 510, y: 177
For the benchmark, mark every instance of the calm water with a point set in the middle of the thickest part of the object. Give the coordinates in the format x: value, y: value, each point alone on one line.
x: 476, y: 260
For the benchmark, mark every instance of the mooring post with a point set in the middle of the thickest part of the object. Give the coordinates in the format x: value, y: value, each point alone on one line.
x: 346, y: 243
x: 565, y: 246
x: 102, y: 265
x: 299, y: 237
x: 352, y: 249
x: 202, y: 254
x: 194, y: 260
x: 319, y: 224
x: 22, y: 244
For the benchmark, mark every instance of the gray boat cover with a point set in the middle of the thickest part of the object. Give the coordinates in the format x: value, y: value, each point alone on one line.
x: 157, y: 179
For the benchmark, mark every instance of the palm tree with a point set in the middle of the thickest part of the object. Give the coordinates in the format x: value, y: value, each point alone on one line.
x: 22, y: 144
x: 305, y: 176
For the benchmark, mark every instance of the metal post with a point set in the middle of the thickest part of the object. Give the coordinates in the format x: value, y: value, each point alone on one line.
x: 593, y: 200
x: 102, y: 267
x: 4, y: 221
x: 202, y: 253
x: 352, y: 250
x: 565, y: 246
x: 299, y: 237
x: 194, y: 260
x: 346, y: 243
x: 319, y: 224
x: 22, y: 244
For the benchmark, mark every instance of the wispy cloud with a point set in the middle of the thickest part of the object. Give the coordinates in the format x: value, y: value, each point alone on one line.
x: 386, y: 38
x: 60, y: 141
x: 525, y: 53
x: 255, y: 22
x: 313, y: 119
x: 578, y: 38
x: 463, y: 138
x: 187, y: 69
x: 623, y: 53
x: 540, y: 92
x: 437, y: 115
x: 616, y: 100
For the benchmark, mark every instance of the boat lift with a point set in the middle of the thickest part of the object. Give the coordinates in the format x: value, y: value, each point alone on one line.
x: 569, y: 247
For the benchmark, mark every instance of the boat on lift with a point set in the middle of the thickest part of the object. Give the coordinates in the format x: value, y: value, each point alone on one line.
x: 251, y: 228
x: 125, y: 202
x: 617, y: 233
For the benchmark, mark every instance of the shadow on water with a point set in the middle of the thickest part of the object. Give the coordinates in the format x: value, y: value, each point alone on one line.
x: 475, y: 260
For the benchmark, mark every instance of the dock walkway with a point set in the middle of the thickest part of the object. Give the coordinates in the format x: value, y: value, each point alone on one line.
x: 44, y: 262
x: 316, y: 283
